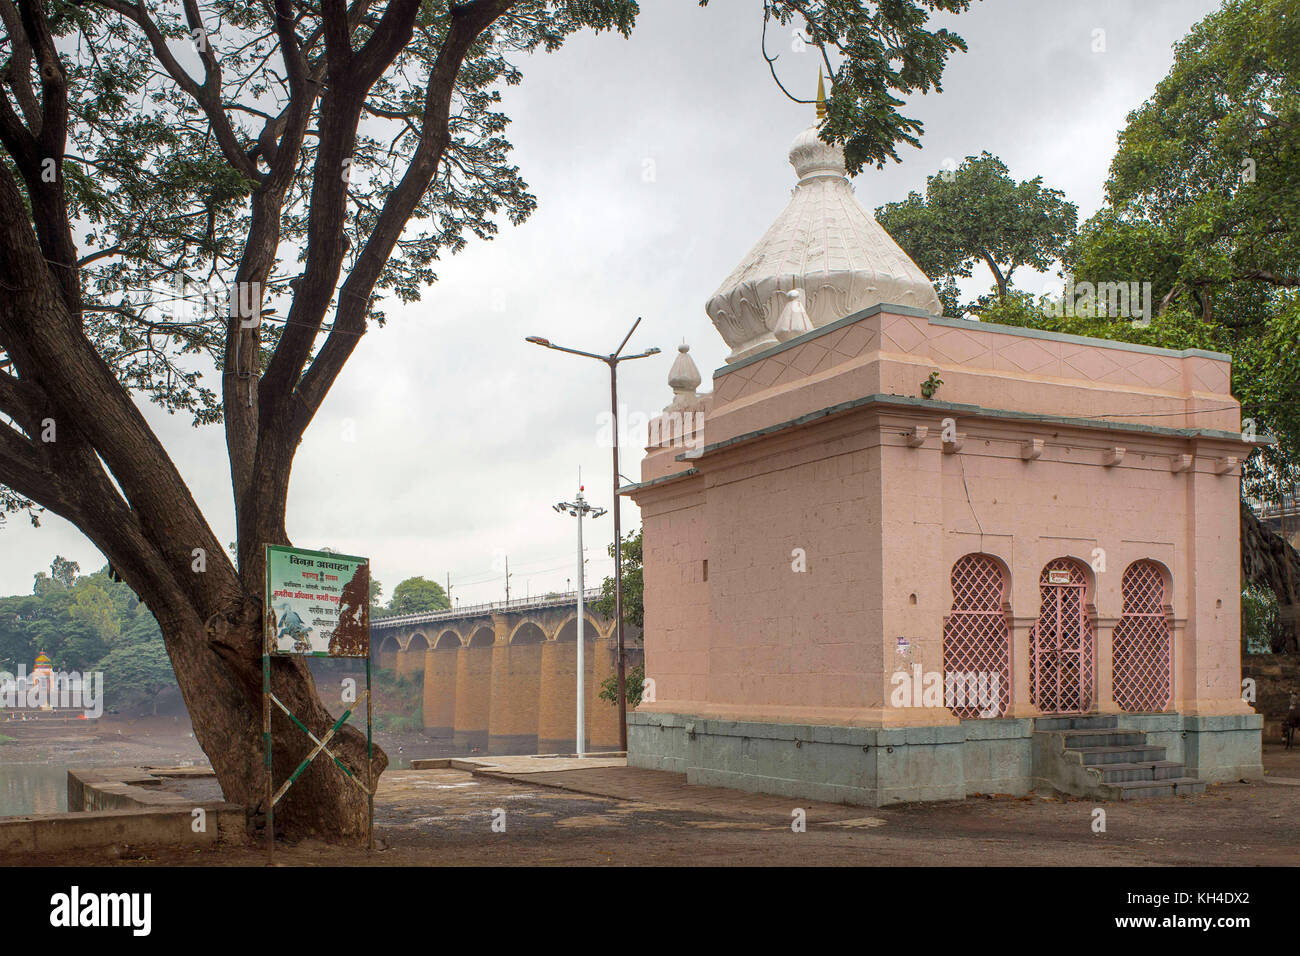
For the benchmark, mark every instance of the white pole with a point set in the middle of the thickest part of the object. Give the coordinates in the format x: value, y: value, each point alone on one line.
x: 581, y: 667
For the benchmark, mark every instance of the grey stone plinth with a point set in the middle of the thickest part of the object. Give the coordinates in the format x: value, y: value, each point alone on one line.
x: 1225, y: 747
x: 879, y: 766
x: 855, y: 765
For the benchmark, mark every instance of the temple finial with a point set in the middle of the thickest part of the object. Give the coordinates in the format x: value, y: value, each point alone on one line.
x: 821, y: 96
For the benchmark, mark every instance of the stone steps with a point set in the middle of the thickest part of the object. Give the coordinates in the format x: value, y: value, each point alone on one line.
x: 1091, y: 755
x: 1129, y: 753
x: 1082, y: 722
x: 1154, y: 789
x: 1150, y: 770
x: 1105, y: 737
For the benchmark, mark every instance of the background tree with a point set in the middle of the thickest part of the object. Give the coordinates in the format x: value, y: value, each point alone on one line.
x: 417, y: 595
x: 634, y: 685
x: 64, y: 571
x: 978, y: 214
x: 1203, y: 201
x: 1211, y: 162
x: 63, y: 575
x: 633, y: 584
x: 313, y: 158
x: 96, y: 624
x: 136, y: 674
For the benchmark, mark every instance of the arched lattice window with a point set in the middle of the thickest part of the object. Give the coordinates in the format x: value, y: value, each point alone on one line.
x: 1142, y: 657
x: 977, y: 641
x: 1061, y: 646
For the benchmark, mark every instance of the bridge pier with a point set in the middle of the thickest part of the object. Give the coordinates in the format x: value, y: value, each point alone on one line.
x: 603, y: 720
x: 501, y: 680
x: 516, y: 667
x: 440, y: 687
x: 556, y: 710
x: 473, y: 693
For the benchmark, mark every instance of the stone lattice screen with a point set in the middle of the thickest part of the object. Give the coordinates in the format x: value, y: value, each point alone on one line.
x: 1142, y: 655
x: 976, y: 639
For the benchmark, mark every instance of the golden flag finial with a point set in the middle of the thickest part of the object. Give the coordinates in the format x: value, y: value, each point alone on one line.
x: 821, y: 96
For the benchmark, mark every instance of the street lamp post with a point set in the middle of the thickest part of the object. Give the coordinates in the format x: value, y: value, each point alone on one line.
x: 612, y: 361
x: 580, y: 509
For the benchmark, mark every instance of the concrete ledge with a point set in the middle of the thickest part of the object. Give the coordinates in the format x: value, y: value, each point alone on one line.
x: 125, y: 788
x: 656, y: 741
x: 225, y: 824
x: 114, y: 806
x: 431, y: 763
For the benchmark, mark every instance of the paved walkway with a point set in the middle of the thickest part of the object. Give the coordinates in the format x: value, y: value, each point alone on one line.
x: 660, y: 788
x: 529, y: 765
x: 612, y: 778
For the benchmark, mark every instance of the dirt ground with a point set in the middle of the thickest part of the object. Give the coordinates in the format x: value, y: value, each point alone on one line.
x: 446, y: 817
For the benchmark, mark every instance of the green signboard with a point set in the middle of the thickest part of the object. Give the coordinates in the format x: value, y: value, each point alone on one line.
x: 317, y: 603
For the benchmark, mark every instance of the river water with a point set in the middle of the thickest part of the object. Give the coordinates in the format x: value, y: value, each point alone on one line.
x: 32, y: 788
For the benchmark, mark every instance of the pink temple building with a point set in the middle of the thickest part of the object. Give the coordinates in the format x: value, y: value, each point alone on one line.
x: 897, y: 556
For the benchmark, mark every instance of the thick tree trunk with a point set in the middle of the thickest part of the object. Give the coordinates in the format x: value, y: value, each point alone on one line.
x: 1267, y: 560
x: 223, y: 694
x: 148, y: 525
x: 109, y: 475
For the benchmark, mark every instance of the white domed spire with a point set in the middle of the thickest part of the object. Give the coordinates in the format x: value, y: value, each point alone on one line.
x: 683, y: 377
x: 793, y: 320
x: 825, y: 245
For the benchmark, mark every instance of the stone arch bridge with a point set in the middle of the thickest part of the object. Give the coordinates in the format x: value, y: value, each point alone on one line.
x: 501, y: 678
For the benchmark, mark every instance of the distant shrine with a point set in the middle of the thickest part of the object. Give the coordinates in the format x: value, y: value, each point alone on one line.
x: 896, y: 556
x: 42, y: 676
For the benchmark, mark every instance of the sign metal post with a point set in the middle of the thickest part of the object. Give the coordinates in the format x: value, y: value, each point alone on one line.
x: 317, y: 605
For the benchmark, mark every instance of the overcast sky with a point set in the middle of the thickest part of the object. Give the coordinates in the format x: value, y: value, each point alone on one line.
x: 657, y: 162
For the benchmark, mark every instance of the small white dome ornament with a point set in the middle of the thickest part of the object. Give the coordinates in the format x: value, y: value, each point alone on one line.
x: 793, y: 320
x: 824, y: 245
x: 683, y: 378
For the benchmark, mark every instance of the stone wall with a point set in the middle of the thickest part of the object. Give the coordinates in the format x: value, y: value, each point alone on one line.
x: 1277, y: 677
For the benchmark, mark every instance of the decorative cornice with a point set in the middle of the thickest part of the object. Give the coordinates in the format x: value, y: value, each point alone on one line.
x: 972, y: 411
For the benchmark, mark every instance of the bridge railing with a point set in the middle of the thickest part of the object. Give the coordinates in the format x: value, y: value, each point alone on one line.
x: 476, y: 610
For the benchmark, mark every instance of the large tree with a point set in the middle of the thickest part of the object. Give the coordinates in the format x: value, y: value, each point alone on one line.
x: 1203, y: 201
x: 1209, y: 166
x: 314, y: 158
x: 977, y: 214
x: 416, y: 595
